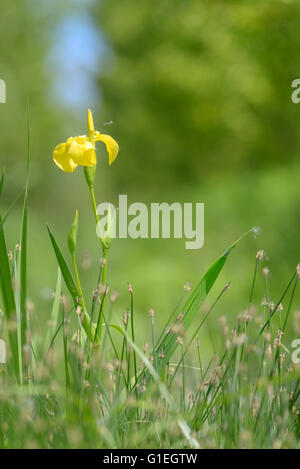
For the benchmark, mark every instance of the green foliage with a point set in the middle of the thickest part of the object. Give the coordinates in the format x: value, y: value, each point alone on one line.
x: 197, y: 92
x: 65, y: 271
x: 8, y: 302
x: 25, y: 37
x: 191, y: 308
x: 199, y: 88
x: 246, y: 395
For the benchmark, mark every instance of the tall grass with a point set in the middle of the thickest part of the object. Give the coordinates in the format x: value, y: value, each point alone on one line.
x: 93, y: 383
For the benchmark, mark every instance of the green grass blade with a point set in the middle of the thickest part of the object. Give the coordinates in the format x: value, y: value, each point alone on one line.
x: 118, y: 328
x: 8, y: 301
x: 132, y: 334
x: 184, y: 428
x: 71, y: 286
x: 23, y: 272
x: 268, y: 321
x: 64, y: 270
x: 23, y: 256
x: 18, y: 316
x: 3, y: 220
x: 55, y: 312
x: 1, y: 183
x: 195, y: 334
x: 191, y: 308
x: 65, y: 339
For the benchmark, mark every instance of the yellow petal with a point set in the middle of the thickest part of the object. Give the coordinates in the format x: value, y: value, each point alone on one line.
x: 90, y: 124
x: 81, y: 151
x: 111, y: 145
x: 62, y: 159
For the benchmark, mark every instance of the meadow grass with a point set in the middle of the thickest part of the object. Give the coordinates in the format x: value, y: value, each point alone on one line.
x: 93, y: 382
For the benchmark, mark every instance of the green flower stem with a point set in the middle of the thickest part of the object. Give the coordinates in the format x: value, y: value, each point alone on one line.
x: 105, y: 256
x: 86, y: 323
x: 89, y: 175
x: 103, y: 296
x: 104, y: 248
x: 91, y: 188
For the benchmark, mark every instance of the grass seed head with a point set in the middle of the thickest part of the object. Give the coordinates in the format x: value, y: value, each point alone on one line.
x: 267, y: 336
x: 281, y: 358
x: 114, y: 296
x: 64, y: 301
x: 239, y: 339
x: 271, y: 306
x: 264, y: 302
x: 256, y: 405
x: 29, y: 306
x: 110, y: 367
x: 178, y: 329
x: 277, y: 444
x: 277, y: 340
x: 260, y: 255
x: 95, y: 294
x: 246, y: 316
x: 268, y: 352
x: 266, y: 272
x: 179, y: 340
x: 180, y: 316
x: 227, y: 286
x: 101, y: 289
x: 125, y: 319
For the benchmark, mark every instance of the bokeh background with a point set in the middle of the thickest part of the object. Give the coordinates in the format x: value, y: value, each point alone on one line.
x: 199, y: 95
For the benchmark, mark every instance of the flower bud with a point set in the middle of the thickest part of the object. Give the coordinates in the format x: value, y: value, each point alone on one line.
x: 73, y: 234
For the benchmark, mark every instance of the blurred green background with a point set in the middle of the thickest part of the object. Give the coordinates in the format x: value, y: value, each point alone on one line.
x: 199, y: 95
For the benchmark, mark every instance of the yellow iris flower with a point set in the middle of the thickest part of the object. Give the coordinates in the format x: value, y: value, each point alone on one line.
x: 80, y: 151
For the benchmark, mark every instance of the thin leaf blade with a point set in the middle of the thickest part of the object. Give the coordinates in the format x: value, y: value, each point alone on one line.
x: 64, y: 270
x: 191, y: 308
x: 8, y: 301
